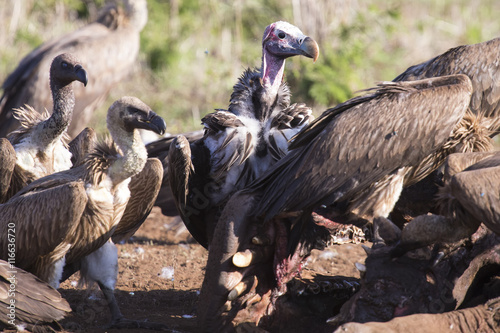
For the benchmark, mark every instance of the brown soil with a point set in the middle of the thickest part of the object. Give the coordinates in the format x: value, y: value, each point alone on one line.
x: 147, y: 290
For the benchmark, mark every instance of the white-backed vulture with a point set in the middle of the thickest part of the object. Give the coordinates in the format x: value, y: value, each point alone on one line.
x: 240, y: 143
x: 35, y: 303
x: 108, y: 48
x: 40, y: 143
x: 355, y: 158
x: 481, y: 63
x: 469, y: 197
x: 65, y: 220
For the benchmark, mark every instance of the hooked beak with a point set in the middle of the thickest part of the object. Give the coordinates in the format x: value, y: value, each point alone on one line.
x: 81, y: 75
x: 310, y: 48
x: 156, y: 123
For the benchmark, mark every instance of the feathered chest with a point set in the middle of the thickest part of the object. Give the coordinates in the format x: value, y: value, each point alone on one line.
x: 54, y: 157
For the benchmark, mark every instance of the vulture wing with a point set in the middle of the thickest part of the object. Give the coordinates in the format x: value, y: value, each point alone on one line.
x: 39, y: 221
x: 189, y: 205
x: 144, y: 188
x: 7, y: 165
x: 81, y: 145
x: 358, y: 143
x: 107, y: 52
x: 36, y: 301
x: 480, y: 62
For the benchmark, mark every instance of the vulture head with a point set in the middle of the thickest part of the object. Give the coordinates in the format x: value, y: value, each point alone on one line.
x: 66, y: 68
x: 283, y: 40
x: 131, y: 113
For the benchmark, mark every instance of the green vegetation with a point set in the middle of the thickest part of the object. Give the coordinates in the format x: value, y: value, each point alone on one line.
x: 193, y: 51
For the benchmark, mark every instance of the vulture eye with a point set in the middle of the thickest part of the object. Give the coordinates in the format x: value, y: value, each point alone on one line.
x: 281, y: 35
x: 64, y: 64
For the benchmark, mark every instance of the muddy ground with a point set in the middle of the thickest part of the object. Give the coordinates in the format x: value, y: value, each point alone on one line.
x: 161, y: 270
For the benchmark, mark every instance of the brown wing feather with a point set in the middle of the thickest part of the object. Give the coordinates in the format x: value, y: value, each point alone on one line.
x: 29, y: 82
x: 180, y: 175
x: 7, y: 165
x: 82, y: 145
x: 36, y: 302
x: 477, y: 192
x: 41, y: 218
x: 396, y: 127
x: 144, y: 189
x: 478, y: 61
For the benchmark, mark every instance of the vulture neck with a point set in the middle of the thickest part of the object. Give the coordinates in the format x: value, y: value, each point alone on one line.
x: 134, y: 155
x: 272, y: 76
x: 64, y: 103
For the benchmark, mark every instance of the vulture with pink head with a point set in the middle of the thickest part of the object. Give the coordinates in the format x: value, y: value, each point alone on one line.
x: 242, y: 142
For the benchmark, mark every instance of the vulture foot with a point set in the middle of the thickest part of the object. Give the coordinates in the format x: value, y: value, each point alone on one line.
x: 249, y: 265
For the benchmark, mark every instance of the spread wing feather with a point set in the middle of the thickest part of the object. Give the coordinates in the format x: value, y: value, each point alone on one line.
x: 361, y: 141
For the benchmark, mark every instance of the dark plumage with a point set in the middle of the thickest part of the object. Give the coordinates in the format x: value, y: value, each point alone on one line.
x: 36, y: 303
x: 481, y: 63
x: 240, y: 143
x: 107, y: 48
x: 40, y: 143
x: 355, y: 158
x: 469, y: 197
x: 65, y: 220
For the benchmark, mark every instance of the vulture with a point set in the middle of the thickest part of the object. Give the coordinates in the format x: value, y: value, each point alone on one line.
x: 469, y: 197
x: 108, y: 48
x: 160, y: 149
x: 36, y: 304
x: 481, y: 63
x: 240, y: 143
x: 38, y: 148
x: 65, y: 221
x: 355, y: 159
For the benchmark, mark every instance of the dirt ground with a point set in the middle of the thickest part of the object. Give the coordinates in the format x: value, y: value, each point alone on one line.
x: 161, y: 270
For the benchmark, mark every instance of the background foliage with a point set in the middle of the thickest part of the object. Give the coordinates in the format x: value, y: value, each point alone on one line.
x: 193, y: 51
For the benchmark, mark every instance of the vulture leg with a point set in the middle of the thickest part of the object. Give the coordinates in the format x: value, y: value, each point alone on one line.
x: 101, y: 266
x: 221, y: 275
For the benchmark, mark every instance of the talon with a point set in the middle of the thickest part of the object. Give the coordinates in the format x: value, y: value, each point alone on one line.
x: 254, y: 299
x: 260, y: 240
x: 248, y: 257
x: 242, y: 287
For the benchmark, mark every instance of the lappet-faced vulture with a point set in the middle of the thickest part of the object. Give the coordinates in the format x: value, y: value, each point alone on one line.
x: 240, y: 143
x: 65, y: 220
x: 38, y: 148
x: 35, y: 303
x: 355, y: 158
x: 108, y: 49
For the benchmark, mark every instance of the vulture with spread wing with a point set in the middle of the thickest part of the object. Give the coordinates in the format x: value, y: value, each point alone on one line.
x: 108, y: 48
x: 481, y: 63
x: 38, y: 148
x: 240, y: 143
x: 65, y: 220
x: 355, y: 158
